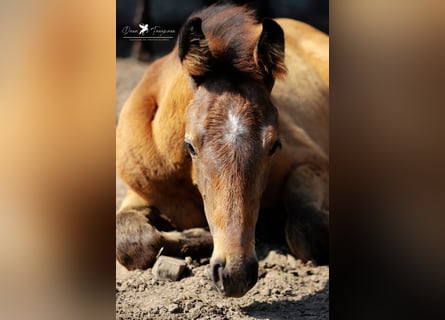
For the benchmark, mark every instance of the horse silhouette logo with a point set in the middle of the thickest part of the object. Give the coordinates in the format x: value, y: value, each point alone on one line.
x: 144, y: 29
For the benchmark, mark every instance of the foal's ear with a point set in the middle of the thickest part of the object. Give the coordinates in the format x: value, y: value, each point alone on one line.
x: 269, y: 52
x: 194, y: 51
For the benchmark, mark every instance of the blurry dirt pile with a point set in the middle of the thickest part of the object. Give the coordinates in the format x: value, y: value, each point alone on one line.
x: 286, y: 288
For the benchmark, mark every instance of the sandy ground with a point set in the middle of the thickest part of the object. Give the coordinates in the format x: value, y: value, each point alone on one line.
x: 286, y: 288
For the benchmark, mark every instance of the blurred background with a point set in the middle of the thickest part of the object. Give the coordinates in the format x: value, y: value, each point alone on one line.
x: 171, y: 14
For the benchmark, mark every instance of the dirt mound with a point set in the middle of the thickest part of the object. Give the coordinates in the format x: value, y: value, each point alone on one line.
x: 286, y: 289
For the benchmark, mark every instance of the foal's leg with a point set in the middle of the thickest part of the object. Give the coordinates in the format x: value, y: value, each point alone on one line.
x: 307, y: 223
x: 139, y: 239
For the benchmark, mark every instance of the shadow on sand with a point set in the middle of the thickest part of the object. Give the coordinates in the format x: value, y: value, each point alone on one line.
x: 314, y: 306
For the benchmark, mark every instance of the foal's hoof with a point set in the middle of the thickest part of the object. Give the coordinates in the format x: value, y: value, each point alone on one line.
x: 137, y: 242
x: 307, y: 235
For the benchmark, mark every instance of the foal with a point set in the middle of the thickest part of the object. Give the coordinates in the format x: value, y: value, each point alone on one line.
x: 227, y: 124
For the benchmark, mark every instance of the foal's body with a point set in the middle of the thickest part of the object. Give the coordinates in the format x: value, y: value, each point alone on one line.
x: 164, y: 193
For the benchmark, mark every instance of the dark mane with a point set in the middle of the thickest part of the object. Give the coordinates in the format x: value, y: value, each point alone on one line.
x: 231, y: 36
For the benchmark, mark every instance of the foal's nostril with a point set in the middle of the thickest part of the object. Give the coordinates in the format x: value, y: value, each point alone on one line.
x: 217, y: 274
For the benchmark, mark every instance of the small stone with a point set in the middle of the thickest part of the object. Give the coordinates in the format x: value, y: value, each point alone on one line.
x: 174, y: 308
x: 310, y: 263
x: 188, y: 260
x: 266, y: 292
x: 168, y: 268
x: 189, y: 305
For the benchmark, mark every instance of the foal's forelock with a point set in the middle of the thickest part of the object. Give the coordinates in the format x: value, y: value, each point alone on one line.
x: 223, y: 40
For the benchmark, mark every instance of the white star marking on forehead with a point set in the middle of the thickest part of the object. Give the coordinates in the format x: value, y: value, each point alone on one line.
x: 234, y: 127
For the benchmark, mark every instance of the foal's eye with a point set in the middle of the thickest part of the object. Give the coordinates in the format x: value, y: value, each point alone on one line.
x: 190, y: 148
x: 275, y: 146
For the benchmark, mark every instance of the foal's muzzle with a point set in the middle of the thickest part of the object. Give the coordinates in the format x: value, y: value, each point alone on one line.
x: 234, y: 279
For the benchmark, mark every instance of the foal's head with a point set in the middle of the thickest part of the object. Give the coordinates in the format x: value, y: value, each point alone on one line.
x: 231, y: 130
